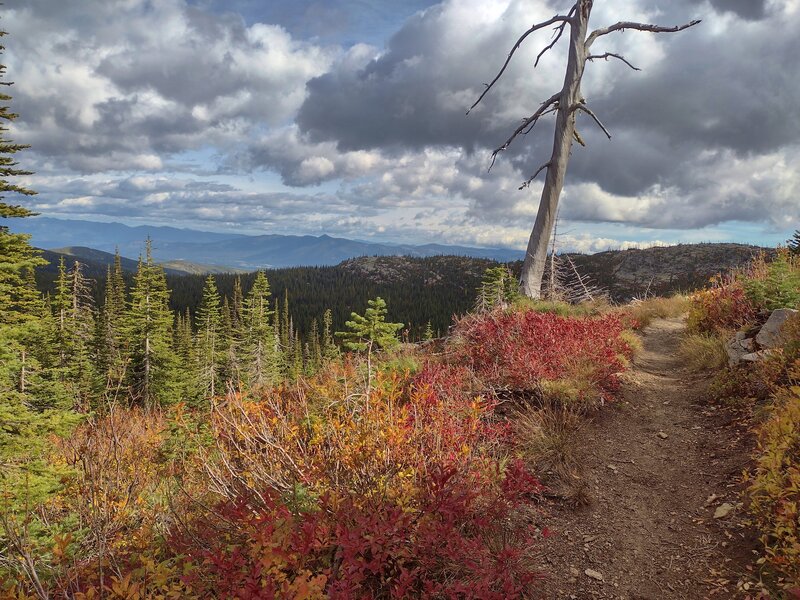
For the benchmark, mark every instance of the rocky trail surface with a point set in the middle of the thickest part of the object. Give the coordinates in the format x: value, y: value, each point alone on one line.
x: 661, y: 473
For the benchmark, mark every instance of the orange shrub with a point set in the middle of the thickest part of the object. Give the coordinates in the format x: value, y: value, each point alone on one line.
x: 722, y: 308
x: 774, y: 492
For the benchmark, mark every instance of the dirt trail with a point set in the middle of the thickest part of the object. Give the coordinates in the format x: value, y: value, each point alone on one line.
x: 658, y: 464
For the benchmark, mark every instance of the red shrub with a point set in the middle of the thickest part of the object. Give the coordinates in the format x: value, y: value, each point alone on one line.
x: 458, y: 541
x: 724, y: 307
x: 522, y: 349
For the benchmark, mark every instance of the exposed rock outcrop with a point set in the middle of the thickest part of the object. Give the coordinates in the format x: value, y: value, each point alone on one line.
x: 758, y: 342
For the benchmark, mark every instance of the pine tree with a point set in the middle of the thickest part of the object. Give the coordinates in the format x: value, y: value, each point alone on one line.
x: 61, y: 303
x: 33, y: 405
x: 314, y: 349
x: 229, y: 347
x: 794, y: 243
x: 153, y: 372
x: 260, y: 343
x: 237, y: 306
x: 111, y: 344
x: 329, y: 348
x: 498, y: 288
x: 286, y: 338
x: 79, y: 330
x: 428, y: 335
x: 208, y: 346
x: 370, y: 330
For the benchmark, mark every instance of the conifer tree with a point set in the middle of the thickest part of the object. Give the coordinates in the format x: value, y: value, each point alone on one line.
x: 112, y: 345
x: 314, y: 348
x: 286, y: 334
x: 80, y: 324
x: 148, y: 327
x: 208, y: 345
x: 33, y: 405
x: 428, y: 335
x: 498, y: 288
x: 237, y: 306
x: 61, y: 302
x: 259, y: 339
x: 329, y: 348
x: 794, y: 243
x: 229, y: 347
x: 371, y: 329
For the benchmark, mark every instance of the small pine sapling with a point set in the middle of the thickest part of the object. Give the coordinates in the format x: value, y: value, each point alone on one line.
x: 498, y: 288
x: 371, y: 329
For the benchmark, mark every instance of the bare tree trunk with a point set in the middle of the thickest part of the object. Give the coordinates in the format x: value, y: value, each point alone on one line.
x: 536, y: 255
x: 565, y: 104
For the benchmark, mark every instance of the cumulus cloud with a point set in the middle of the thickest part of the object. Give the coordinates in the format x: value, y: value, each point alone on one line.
x: 115, y: 85
x: 698, y: 106
x: 231, y: 114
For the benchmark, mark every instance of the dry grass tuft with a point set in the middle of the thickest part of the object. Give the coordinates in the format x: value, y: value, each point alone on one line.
x: 703, y: 351
x: 659, y: 308
x: 545, y: 438
x: 633, y: 340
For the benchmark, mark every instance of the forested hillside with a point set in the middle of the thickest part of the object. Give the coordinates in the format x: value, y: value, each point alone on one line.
x: 434, y: 289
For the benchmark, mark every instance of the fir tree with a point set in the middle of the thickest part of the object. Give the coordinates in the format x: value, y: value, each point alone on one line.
x: 208, y: 346
x: 498, y: 288
x: 33, y: 405
x: 229, y: 347
x: 148, y: 327
x: 286, y: 338
x: 79, y: 331
x: 371, y: 329
x: 259, y: 339
x: 237, y: 306
x: 329, y: 348
x: 794, y: 243
x: 314, y: 348
x: 111, y: 345
x: 428, y: 335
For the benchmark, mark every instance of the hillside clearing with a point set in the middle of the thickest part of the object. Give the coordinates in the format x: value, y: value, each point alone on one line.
x: 658, y: 466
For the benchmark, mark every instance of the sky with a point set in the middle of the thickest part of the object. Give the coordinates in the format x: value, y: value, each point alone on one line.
x: 347, y: 117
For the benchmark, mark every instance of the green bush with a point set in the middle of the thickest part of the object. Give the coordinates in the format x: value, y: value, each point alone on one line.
x: 779, y: 286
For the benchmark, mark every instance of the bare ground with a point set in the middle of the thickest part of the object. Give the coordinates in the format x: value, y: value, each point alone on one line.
x: 656, y: 466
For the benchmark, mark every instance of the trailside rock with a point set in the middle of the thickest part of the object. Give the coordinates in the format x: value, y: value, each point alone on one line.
x: 738, y: 347
x: 723, y: 510
x: 770, y: 334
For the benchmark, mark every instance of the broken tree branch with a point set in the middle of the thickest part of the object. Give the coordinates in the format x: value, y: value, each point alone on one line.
x: 608, y: 55
x: 527, y: 123
x: 623, y: 25
x: 557, y: 33
x: 532, y: 177
x: 589, y: 112
x: 536, y: 27
x: 552, y: 109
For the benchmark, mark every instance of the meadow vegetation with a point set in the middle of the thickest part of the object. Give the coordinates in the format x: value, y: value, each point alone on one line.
x: 769, y: 387
x: 339, y: 481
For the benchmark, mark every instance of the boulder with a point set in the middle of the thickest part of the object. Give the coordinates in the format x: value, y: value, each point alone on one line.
x: 738, y: 348
x: 770, y: 334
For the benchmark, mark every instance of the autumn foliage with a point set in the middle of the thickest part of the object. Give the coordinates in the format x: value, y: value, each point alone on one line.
x: 363, y: 481
x: 528, y: 350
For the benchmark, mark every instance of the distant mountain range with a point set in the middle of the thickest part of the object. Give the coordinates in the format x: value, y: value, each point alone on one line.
x: 96, y: 261
x: 187, y: 250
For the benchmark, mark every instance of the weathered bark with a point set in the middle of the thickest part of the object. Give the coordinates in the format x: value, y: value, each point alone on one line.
x: 536, y: 254
x: 565, y: 104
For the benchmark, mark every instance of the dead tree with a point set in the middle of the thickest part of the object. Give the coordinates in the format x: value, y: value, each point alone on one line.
x: 566, y: 104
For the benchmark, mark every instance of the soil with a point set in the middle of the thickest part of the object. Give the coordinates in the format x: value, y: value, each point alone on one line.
x: 655, y: 468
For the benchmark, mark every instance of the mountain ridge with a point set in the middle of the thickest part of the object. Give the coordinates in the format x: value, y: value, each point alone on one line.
x: 231, y: 251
